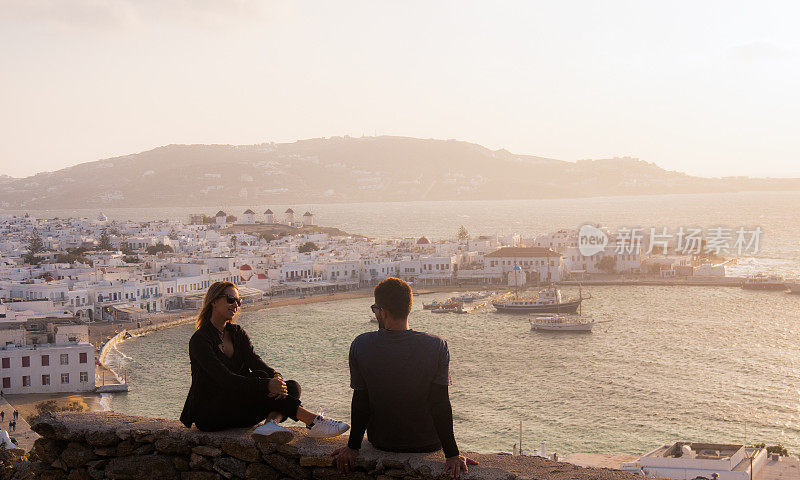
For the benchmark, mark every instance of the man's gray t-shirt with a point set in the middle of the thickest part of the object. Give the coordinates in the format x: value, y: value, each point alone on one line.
x: 397, y: 368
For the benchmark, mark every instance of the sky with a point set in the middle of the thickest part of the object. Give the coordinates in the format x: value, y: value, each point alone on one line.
x: 709, y: 88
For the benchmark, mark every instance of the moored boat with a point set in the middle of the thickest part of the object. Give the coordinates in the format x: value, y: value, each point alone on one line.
x: 764, y: 282
x: 563, y: 323
x: 794, y: 286
x: 549, y: 300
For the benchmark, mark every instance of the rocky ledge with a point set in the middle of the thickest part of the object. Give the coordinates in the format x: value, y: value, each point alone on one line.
x: 95, y: 445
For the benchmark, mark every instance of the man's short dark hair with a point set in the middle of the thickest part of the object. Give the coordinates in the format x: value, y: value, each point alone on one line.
x: 394, y: 295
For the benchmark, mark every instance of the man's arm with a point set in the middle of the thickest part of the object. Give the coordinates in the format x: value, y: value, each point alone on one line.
x: 442, y: 414
x: 359, y: 417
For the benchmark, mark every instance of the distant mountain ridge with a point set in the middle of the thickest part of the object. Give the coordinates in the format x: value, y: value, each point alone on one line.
x: 346, y: 169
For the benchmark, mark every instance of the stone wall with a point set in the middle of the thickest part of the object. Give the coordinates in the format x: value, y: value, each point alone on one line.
x: 95, y: 445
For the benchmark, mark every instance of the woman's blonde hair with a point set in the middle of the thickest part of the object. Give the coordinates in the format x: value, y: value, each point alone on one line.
x: 216, y: 290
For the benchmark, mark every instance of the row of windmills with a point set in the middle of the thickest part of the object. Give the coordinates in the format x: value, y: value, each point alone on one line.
x: 250, y: 217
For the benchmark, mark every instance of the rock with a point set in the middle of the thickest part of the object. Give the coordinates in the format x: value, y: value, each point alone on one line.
x: 288, y: 450
x: 199, y: 462
x: 260, y: 471
x: 145, y: 449
x: 76, y: 455
x: 79, y: 474
x: 395, y: 472
x: 333, y: 474
x: 143, y: 436
x: 230, y: 465
x: 97, y: 464
x: 365, y: 465
x: 180, y: 463
x: 106, y: 451
x: 323, y: 461
x: 145, y: 467
x: 96, y: 474
x: 172, y: 446
x: 126, y: 447
x: 102, y: 439
x: 248, y: 453
x: 200, y: 476
x: 59, y: 464
x: 287, y: 467
x: 47, y: 449
x: 389, y: 464
x: 207, y: 451
x: 51, y: 475
x: 265, y: 447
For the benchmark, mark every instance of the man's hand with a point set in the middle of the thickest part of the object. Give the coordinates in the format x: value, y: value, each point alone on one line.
x: 345, y: 458
x: 455, y: 465
x: 277, y: 387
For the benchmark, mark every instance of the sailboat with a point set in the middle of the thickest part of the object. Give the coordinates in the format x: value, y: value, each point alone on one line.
x: 548, y: 300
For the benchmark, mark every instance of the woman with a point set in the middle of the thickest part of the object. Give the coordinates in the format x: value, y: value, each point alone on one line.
x: 232, y: 386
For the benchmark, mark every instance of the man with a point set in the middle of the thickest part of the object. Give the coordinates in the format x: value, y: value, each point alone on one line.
x: 399, y: 379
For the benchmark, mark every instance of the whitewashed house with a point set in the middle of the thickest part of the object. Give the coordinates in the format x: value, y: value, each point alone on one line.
x: 308, y: 219
x: 46, y: 356
x: 539, y: 263
x: 269, y: 217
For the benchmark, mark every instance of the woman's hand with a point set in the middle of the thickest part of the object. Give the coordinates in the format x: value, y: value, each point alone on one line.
x: 277, y: 387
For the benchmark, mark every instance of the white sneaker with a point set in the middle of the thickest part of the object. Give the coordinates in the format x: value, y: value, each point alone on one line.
x: 273, y: 433
x: 327, y: 427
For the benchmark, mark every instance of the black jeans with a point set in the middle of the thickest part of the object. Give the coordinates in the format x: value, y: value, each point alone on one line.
x: 248, y: 410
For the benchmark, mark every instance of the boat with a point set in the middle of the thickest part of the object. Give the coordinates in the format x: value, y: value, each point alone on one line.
x: 764, y: 282
x: 435, y: 305
x: 793, y: 285
x: 450, y: 307
x: 563, y: 323
x: 548, y: 300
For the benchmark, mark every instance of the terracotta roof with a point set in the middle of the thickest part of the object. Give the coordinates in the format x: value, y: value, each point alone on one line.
x: 261, y: 276
x: 220, y: 214
x: 423, y: 241
x: 245, y: 267
x: 514, y: 252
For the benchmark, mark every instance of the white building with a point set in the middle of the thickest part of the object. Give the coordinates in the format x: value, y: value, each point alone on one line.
x: 49, y: 356
x: 269, y: 217
x: 537, y: 262
x: 684, y: 460
x: 289, y: 216
x: 308, y: 219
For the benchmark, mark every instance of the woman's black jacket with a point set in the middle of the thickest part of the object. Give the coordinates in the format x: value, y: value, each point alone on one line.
x: 216, y: 377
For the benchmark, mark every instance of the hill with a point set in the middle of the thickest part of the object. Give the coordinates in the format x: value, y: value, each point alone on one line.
x: 345, y: 169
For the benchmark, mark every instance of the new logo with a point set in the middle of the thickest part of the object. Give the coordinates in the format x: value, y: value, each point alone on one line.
x: 591, y: 240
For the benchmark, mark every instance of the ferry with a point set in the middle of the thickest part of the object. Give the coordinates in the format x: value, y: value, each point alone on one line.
x: 549, y: 300
x: 764, y: 282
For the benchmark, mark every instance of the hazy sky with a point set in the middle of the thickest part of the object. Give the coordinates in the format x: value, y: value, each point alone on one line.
x: 710, y: 88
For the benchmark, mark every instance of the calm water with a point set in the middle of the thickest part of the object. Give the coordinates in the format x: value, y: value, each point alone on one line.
x: 674, y: 363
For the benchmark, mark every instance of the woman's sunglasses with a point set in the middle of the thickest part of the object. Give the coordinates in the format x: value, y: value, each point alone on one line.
x: 231, y: 300
x: 374, y: 308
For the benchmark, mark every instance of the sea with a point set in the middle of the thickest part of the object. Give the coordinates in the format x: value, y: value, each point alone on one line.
x: 711, y: 364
